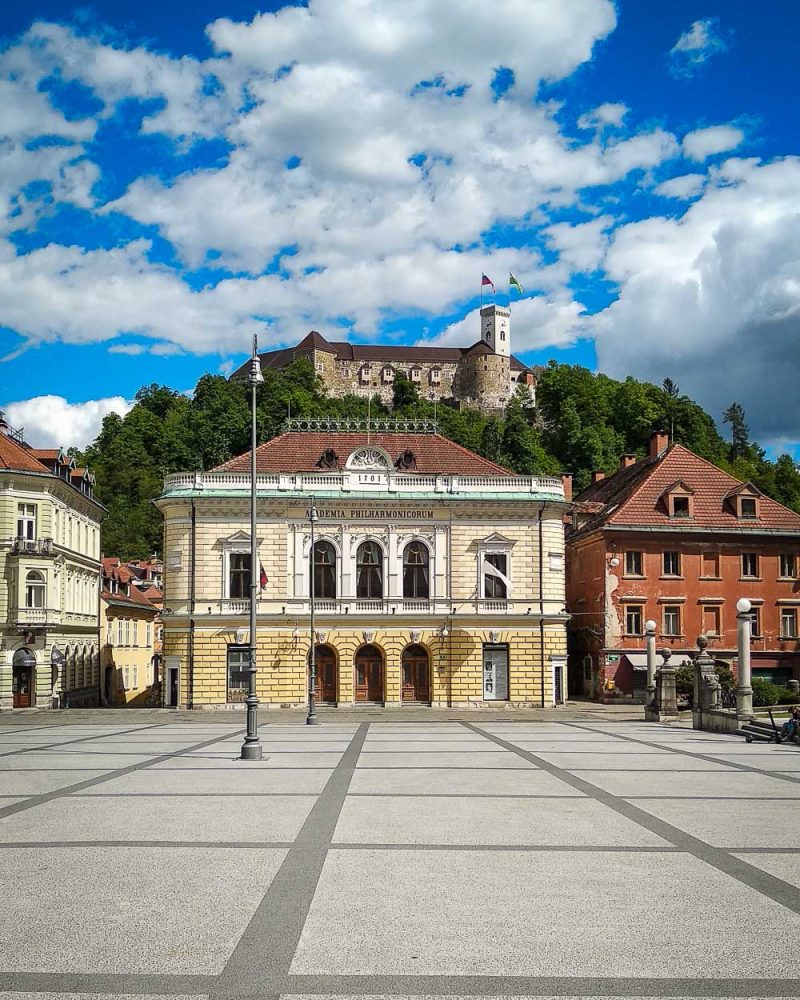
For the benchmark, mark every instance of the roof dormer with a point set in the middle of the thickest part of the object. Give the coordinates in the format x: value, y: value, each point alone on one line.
x: 744, y: 502
x: 678, y: 500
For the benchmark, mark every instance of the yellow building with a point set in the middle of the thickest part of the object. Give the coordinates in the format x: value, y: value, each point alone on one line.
x: 438, y: 576
x: 49, y: 571
x: 129, y: 638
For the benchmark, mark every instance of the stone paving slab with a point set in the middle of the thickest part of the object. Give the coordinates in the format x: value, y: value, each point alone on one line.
x: 468, y: 821
x: 59, y: 761
x: 273, y: 758
x: 142, y: 911
x: 198, y: 818
x: 38, y: 782
x: 403, y: 920
x: 555, y: 746
x: 694, y: 784
x: 634, y: 761
x: 731, y: 823
x: 477, y: 745
x: 241, y: 779
x: 454, y: 759
x: 445, y: 781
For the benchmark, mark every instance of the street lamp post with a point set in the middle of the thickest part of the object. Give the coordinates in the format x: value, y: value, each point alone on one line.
x: 251, y: 748
x: 650, y: 642
x: 311, y: 718
x: 744, y: 689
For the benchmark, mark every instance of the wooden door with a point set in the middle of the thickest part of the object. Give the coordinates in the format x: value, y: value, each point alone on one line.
x: 416, y: 678
x: 21, y: 687
x: 325, y: 662
x: 369, y: 677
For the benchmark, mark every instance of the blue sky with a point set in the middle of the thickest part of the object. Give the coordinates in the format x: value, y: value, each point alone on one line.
x: 177, y: 176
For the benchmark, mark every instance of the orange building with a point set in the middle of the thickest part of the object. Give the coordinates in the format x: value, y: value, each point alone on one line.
x: 673, y: 539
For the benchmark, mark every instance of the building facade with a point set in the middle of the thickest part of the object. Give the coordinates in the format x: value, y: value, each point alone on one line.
x: 675, y: 540
x: 438, y: 576
x: 483, y: 376
x: 49, y: 573
x: 130, y: 650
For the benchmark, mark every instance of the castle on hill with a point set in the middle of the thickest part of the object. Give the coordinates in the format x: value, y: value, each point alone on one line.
x: 483, y: 376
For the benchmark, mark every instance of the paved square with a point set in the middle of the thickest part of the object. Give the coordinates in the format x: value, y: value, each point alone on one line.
x: 392, y: 859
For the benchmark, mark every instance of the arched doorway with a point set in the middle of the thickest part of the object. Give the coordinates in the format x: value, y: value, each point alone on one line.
x: 415, y: 667
x: 369, y: 674
x: 325, y: 662
x: 23, y: 675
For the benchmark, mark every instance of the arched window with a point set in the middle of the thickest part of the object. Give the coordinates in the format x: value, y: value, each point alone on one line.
x: 34, y: 589
x: 369, y: 570
x: 416, y: 576
x: 324, y: 570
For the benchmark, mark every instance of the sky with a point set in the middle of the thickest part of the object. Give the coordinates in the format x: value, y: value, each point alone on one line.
x: 176, y: 177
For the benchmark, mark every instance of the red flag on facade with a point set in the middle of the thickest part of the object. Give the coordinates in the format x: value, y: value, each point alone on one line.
x: 262, y: 579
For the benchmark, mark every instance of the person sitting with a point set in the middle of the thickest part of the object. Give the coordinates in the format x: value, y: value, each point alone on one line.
x: 791, y: 728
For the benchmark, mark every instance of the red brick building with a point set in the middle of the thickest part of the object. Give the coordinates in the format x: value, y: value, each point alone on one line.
x: 674, y: 539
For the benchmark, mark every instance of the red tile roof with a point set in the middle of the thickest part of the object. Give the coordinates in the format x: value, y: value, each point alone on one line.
x: 14, y: 456
x: 298, y: 451
x: 634, y: 496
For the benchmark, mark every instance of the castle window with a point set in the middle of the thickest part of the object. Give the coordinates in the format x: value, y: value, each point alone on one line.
x: 416, y: 375
x: 502, y: 334
x: 364, y: 373
x: 436, y: 375
x: 416, y: 580
x: 346, y: 372
x: 369, y: 571
x: 319, y: 366
x: 388, y: 375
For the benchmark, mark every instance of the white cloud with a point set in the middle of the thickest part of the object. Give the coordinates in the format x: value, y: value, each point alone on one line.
x: 53, y: 422
x: 693, y: 49
x: 603, y: 115
x: 705, y: 142
x: 682, y: 187
x: 712, y: 298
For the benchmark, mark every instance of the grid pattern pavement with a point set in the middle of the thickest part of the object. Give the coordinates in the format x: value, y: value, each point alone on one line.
x: 396, y: 859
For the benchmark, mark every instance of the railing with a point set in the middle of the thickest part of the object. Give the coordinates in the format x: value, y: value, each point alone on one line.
x: 379, y: 480
x: 32, y: 546
x: 344, y: 606
x: 36, y: 616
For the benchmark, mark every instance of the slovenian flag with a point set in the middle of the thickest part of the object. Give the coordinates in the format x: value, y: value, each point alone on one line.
x: 514, y: 283
x: 262, y: 578
x: 486, y: 281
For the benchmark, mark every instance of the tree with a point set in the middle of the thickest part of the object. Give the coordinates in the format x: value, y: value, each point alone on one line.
x: 404, y: 392
x: 740, y: 432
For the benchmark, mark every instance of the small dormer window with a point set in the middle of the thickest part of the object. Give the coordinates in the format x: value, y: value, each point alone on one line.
x: 364, y: 373
x: 680, y: 507
x: 748, y: 508
x: 416, y: 374
x: 436, y: 375
x: 388, y: 375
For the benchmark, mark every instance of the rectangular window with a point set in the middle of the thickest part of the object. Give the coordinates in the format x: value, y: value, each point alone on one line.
x: 416, y: 374
x: 755, y: 622
x: 634, y: 616
x: 495, y: 576
x: 672, y: 564
x: 789, y: 623
x: 148, y: 634
x: 126, y: 678
x: 747, y: 508
x: 239, y: 576
x: 788, y: 565
x: 136, y: 677
x: 634, y: 564
x: 672, y: 619
x: 680, y: 506
x: 238, y: 666
x: 711, y: 620
x: 127, y: 632
x: 109, y: 632
x: 119, y: 631
x: 750, y: 564
x: 711, y: 564
x: 495, y: 672
x: 26, y: 521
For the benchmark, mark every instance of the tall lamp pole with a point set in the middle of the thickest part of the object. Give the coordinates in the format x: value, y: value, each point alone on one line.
x: 744, y: 688
x: 251, y: 748
x: 311, y: 718
x: 650, y: 644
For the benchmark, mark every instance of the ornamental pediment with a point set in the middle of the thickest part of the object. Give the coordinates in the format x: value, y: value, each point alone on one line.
x: 498, y: 540
x: 369, y: 457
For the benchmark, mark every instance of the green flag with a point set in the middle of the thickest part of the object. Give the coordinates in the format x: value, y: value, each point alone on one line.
x: 514, y: 283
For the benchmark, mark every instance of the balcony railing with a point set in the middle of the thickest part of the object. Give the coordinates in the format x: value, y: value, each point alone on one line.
x: 36, y: 616
x: 403, y: 484
x: 348, y: 606
x: 32, y: 546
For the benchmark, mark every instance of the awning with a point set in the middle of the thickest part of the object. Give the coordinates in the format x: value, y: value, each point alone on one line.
x: 637, y: 660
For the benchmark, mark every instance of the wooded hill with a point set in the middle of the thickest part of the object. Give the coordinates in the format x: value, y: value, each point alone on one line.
x: 582, y: 422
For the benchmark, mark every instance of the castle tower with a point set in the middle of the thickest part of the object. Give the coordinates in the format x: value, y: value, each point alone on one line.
x: 496, y: 329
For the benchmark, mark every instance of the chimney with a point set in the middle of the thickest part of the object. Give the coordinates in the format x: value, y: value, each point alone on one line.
x: 566, y: 479
x: 597, y: 475
x: 659, y: 442
x: 625, y: 461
